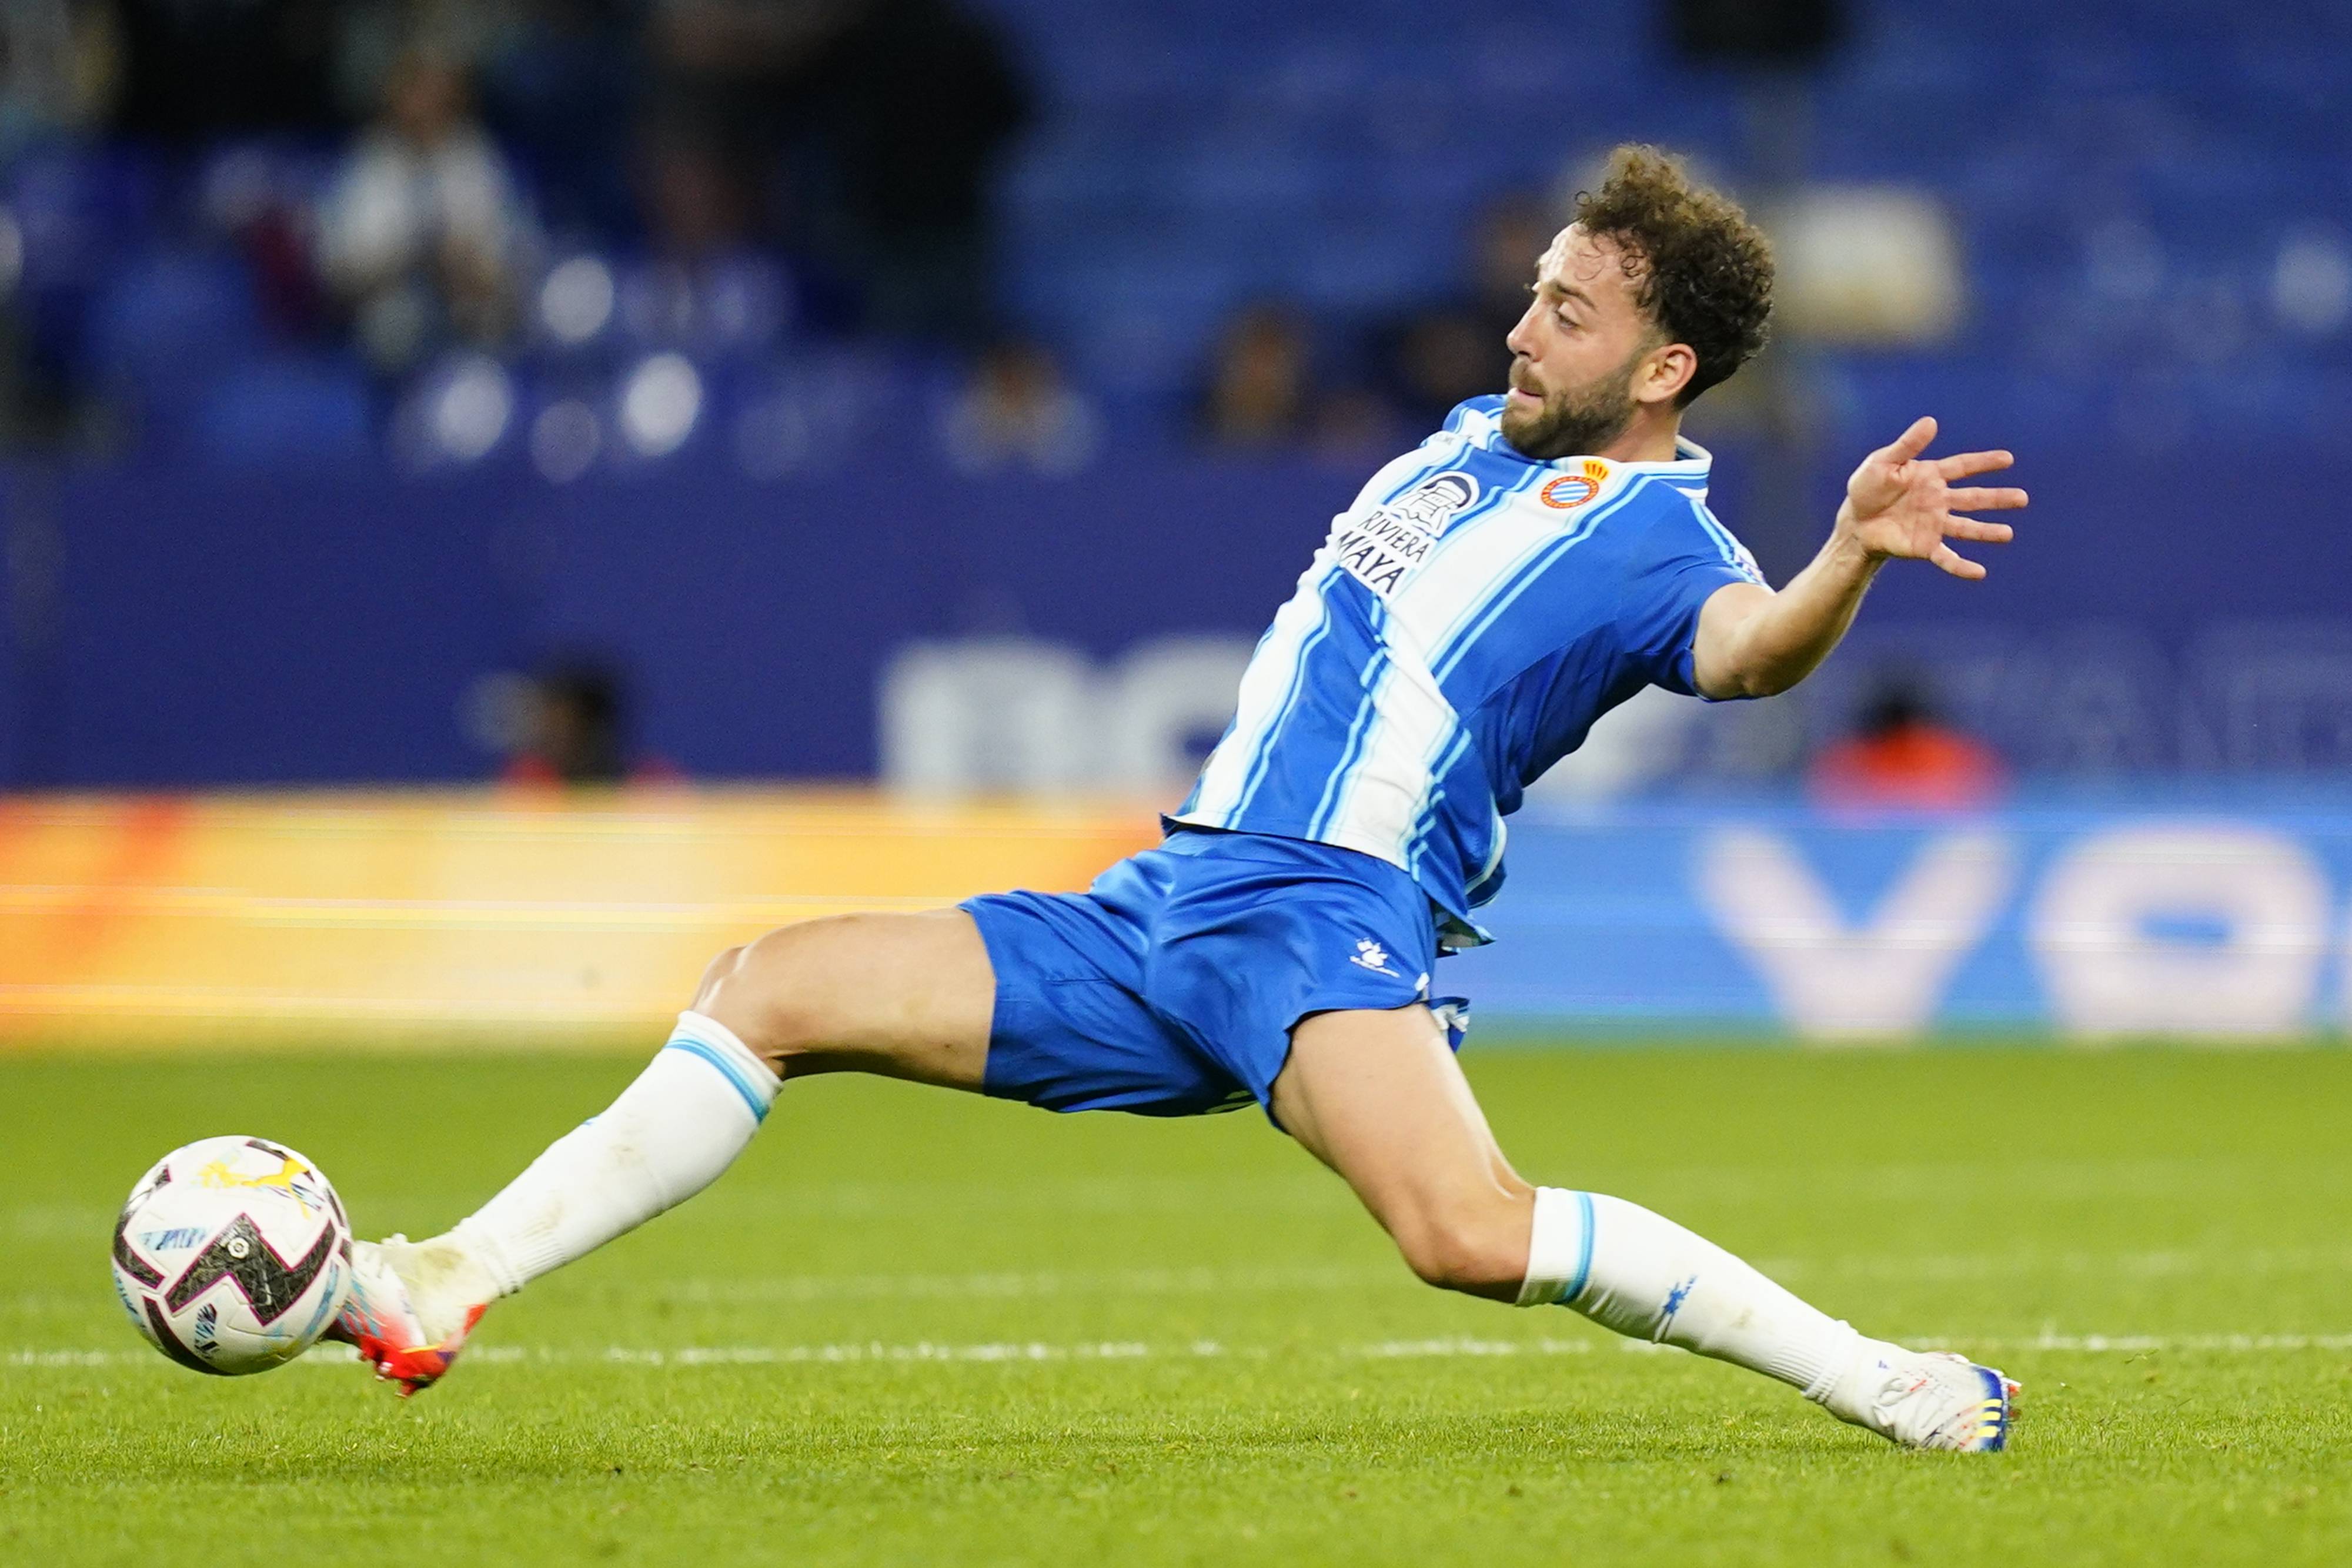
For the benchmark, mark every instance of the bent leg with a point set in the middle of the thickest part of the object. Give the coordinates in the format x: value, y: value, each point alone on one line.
x: 905, y: 996
x: 1379, y: 1098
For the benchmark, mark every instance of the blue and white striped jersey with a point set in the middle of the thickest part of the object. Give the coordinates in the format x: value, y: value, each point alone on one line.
x: 1470, y: 616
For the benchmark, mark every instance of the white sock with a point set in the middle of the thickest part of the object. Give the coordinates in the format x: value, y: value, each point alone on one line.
x: 669, y: 1135
x: 1647, y: 1277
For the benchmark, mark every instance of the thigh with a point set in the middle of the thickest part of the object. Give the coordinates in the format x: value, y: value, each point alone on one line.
x: 906, y: 996
x: 1379, y: 1098
x: 1258, y: 936
x: 1073, y: 1029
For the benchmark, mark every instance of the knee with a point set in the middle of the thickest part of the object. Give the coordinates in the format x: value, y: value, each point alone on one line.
x: 1476, y: 1252
x: 714, y: 975
x: 765, y: 991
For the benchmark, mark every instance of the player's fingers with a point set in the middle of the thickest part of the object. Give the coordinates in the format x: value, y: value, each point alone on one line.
x: 1912, y: 442
x: 1959, y: 565
x: 1978, y: 500
x: 1988, y: 533
x: 1961, y: 464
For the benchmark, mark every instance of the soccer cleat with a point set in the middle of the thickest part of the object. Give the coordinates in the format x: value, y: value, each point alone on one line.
x: 1929, y: 1400
x: 409, y: 1310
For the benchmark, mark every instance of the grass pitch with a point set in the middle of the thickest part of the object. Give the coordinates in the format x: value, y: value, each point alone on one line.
x: 917, y: 1327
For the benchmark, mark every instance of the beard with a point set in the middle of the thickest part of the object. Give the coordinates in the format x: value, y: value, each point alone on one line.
x: 1575, y: 421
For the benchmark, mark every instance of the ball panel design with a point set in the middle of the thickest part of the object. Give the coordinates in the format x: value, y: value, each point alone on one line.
x: 232, y: 1255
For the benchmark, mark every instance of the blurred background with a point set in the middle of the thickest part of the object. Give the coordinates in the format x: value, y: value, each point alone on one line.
x: 503, y: 498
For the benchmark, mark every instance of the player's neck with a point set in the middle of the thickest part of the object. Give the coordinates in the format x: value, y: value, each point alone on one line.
x: 1649, y: 439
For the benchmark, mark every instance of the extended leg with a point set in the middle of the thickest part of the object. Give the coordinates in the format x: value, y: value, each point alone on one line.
x: 907, y: 995
x: 1378, y: 1097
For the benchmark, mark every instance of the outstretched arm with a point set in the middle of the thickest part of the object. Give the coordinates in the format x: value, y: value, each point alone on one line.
x: 1754, y: 643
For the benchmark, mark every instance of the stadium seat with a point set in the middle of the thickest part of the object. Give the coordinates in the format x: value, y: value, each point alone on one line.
x: 285, y: 410
x: 173, y: 315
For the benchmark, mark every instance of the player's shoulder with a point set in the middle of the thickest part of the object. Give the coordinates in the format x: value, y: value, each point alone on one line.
x: 1658, y: 509
x: 1680, y: 523
x: 1474, y: 418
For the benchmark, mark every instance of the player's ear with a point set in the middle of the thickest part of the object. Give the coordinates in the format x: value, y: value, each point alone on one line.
x: 1665, y: 370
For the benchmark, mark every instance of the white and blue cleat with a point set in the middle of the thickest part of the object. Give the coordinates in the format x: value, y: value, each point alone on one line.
x: 1930, y: 1399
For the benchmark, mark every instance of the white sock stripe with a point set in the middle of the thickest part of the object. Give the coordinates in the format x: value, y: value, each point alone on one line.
x: 671, y: 1134
x: 1559, y: 1248
x: 1586, y: 1224
x: 1654, y: 1281
x: 711, y: 1033
x: 703, y: 1037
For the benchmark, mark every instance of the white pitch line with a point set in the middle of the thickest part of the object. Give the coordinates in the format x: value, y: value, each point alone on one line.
x: 2137, y: 1343
x: 1033, y: 1351
x: 1325, y: 1279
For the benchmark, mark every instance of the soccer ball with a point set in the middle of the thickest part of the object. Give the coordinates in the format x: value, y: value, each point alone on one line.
x: 233, y: 1255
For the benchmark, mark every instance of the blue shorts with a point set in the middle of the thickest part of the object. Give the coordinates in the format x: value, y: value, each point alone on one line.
x: 1171, y: 986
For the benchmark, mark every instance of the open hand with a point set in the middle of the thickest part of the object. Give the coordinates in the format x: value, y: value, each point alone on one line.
x: 1899, y: 505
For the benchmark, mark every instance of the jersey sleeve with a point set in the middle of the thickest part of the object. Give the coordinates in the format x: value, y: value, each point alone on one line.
x: 1681, y: 560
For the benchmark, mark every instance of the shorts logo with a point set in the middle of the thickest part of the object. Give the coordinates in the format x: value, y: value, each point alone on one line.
x: 1572, y: 490
x: 1380, y: 547
x: 1370, y: 954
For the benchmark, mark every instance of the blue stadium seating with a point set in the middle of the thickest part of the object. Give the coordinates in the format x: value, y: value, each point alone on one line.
x: 172, y: 315
x: 2127, y: 175
x: 285, y: 411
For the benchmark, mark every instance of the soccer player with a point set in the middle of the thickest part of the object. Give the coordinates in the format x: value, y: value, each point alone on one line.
x: 1487, y: 597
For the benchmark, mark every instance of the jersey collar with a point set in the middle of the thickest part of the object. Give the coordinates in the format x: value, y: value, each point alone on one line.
x: 1690, y: 462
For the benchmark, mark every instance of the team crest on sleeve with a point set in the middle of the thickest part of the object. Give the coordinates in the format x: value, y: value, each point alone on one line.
x: 1382, y: 546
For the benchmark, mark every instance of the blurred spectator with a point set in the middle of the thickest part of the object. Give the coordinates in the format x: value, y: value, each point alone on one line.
x: 1874, y: 267
x: 424, y: 232
x: 720, y: 279
x: 1018, y: 411
x: 573, y: 731
x: 1902, y: 754
x: 60, y: 64
x: 1436, y: 357
x: 1257, y: 382
x: 1264, y: 392
x: 737, y: 66
x: 698, y: 203
x: 252, y: 199
x: 882, y: 119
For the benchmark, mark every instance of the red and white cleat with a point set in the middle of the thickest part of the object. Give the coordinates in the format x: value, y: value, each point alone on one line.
x: 408, y: 1312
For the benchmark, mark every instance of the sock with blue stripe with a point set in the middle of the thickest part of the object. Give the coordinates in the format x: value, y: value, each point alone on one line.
x: 669, y: 1135
x: 1647, y: 1277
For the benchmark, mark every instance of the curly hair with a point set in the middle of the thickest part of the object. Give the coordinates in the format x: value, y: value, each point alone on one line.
x: 1699, y: 268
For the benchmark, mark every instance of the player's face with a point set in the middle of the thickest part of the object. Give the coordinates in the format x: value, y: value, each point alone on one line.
x: 1576, y: 353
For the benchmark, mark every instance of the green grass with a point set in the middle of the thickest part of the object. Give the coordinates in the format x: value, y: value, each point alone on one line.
x: 942, y: 1329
